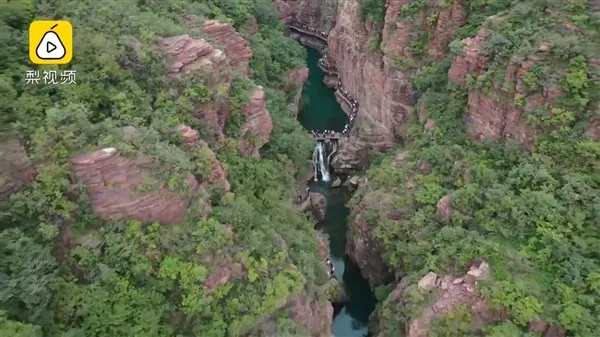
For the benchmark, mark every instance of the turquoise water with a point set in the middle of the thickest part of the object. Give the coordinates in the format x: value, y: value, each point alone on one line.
x: 322, y: 112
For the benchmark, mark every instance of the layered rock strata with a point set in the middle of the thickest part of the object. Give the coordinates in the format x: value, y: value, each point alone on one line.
x: 115, y: 184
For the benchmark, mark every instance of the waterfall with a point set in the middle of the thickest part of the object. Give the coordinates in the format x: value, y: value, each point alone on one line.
x: 321, y: 158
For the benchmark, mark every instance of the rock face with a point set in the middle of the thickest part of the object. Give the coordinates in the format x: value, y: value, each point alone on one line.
x: 319, y: 206
x: 258, y: 126
x: 449, y: 292
x: 350, y: 156
x: 295, y: 82
x: 218, y: 174
x: 187, y: 55
x: 319, y: 14
x: 428, y: 281
x: 235, y: 46
x: 323, y: 245
x: 114, y: 183
x: 363, y: 247
x: 337, y: 182
x: 16, y: 170
x: 499, y: 112
x: 224, y: 271
x: 444, y: 209
x: 315, y: 314
x: 337, y: 294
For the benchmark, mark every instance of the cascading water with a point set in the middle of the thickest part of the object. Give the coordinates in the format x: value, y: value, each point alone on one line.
x: 321, y: 161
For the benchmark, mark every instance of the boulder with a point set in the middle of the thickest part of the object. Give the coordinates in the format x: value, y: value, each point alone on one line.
x: 537, y: 327
x: 190, y: 136
x: 115, y: 185
x: 350, y: 157
x: 336, y: 292
x: 449, y: 294
x: 337, y: 182
x: 319, y: 206
x: 428, y: 281
x: 429, y: 125
x: 352, y: 182
x: 399, y: 159
x: 330, y: 81
x: 16, y: 170
x: 444, y: 209
x: 225, y: 271
x: 555, y: 331
x: 480, y: 273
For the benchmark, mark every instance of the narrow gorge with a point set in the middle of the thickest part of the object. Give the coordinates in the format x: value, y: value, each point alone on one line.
x: 321, y: 112
x: 302, y: 168
x: 433, y: 90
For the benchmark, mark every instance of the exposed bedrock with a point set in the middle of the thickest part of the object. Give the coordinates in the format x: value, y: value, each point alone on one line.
x: 16, y: 170
x: 220, y: 50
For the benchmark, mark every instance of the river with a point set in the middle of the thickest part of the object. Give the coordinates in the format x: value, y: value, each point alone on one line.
x: 320, y: 112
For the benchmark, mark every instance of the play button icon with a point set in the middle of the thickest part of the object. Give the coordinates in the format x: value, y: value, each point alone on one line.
x: 50, y: 42
x: 50, y: 47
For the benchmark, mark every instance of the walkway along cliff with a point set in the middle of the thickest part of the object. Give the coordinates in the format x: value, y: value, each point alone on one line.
x: 498, y: 87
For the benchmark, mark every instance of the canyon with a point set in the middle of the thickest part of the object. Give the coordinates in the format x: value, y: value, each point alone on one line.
x: 375, y: 62
x: 368, y: 100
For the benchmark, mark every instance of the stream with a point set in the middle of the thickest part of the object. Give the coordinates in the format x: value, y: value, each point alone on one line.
x: 321, y: 111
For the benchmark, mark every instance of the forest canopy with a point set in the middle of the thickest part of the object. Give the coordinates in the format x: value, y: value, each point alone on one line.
x: 66, y: 272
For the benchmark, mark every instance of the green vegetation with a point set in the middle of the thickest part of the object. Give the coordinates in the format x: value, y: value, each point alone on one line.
x: 532, y: 215
x: 150, y: 279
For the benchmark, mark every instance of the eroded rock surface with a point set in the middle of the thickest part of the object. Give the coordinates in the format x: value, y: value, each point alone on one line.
x: 187, y: 55
x: 258, y: 126
x: 295, y: 81
x: 319, y: 206
x: 234, y: 45
x: 16, y: 170
x: 224, y: 271
x: 115, y: 185
x: 449, y: 291
x: 337, y: 293
x: 350, y: 156
x: 363, y: 247
x: 217, y: 173
x: 315, y: 314
x: 444, y: 209
x: 499, y: 113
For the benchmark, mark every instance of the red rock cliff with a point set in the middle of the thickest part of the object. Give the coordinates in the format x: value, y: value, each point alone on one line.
x: 16, y: 170
x: 499, y: 112
x: 258, y: 126
x: 114, y: 184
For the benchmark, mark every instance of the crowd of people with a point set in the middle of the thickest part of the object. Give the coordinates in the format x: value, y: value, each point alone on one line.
x: 327, y: 134
x: 311, y: 30
x: 326, y: 66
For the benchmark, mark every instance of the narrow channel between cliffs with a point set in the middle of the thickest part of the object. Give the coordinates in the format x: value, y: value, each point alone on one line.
x: 322, y: 112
